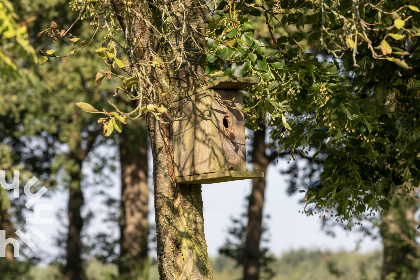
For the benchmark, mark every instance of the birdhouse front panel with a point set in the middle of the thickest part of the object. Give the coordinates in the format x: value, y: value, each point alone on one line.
x: 209, y: 134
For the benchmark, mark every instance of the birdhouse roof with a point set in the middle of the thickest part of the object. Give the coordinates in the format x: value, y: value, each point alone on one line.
x: 231, y: 83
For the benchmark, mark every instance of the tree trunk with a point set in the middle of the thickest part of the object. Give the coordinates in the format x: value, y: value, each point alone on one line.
x: 73, y: 268
x: 255, y: 209
x: 134, y: 224
x: 398, y: 232
x: 181, y: 244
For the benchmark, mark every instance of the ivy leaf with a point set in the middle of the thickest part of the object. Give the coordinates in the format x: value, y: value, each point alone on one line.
x: 239, y: 69
x: 399, y: 23
x: 211, y: 58
x: 277, y: 65
x: 233, y: 32
x: 86, y: 107
x: 261, y: 65
x: 351, y: 43
x: 248, y: 37
x: 247, y: 26
x: 224, y: 52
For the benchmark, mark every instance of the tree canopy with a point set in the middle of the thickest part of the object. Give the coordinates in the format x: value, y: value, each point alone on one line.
x: 354, y: 93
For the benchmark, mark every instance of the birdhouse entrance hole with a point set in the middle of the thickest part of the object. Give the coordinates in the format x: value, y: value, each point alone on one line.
x: 226, y: 122
x: 209, y: 136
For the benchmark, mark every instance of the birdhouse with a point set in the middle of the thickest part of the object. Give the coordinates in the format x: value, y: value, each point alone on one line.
x: 209, y: 134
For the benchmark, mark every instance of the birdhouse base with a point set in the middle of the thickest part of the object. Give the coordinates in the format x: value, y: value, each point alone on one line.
x: 217, y: 177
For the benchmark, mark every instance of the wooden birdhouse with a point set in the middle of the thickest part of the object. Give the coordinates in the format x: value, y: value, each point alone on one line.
x: 209, y: 134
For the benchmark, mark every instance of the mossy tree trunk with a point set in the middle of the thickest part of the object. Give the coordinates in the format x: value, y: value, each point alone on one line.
x: 134, y: 224
x: 181, y: 244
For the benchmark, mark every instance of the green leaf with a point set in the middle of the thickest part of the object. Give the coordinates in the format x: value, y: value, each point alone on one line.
x: 110, y: 54
x: 261, y: 65
x: 86, y: 107
x: 334, y: 102
x: 224, y: 52
x: 119, y: 62
x: 354, y: 107
x: 286, y: 125
x: 239, y: 69
x: 277, y: 65
x: 399, y: 23
x: 396, y: 36
x: 351, y: 43
x: 384, y: 204
x: 248, y: 37
x: 50, y: 52
x: 211, y: 58
x: 247, y: 26
x: 233, y: 32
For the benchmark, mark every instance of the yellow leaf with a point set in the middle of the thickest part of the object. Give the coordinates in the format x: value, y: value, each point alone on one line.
x: 401, y: 63
x: 119, y: 62
x: 399, y: 23
x: 396, y: 36
x: 117, y: 125
x: 286, y: 125
x: 109, y: 128
x: 42, y: 60
x: 351, y: 43
x: 121, y: 119
x: 385, y: 48
x: 86, y: 107
x: 50, y: 52
x: 413, y: 8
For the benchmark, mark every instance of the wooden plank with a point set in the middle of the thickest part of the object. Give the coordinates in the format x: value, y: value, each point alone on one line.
x: 217, y: 177
x: 230, y: 130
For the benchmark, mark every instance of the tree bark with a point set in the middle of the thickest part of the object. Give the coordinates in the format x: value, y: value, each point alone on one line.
x: 253, y: 231
x: 134, y: 224
x: 73, y: 268
x: 398, y: 232
x: 181, y: 244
